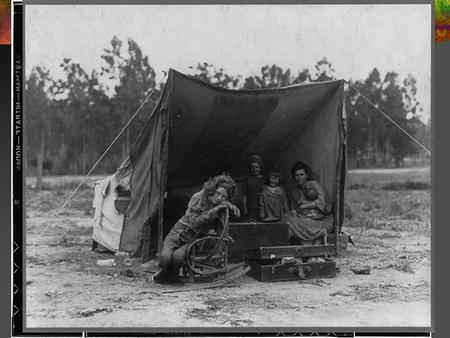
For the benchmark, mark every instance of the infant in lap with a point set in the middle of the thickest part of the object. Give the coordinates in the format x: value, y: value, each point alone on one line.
x: 311, y: 195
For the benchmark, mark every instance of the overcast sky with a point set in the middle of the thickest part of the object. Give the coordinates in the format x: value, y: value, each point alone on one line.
x: 241, y: 39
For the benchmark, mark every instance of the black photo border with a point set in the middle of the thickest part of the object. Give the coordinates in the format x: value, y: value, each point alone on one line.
x: 14, y: 260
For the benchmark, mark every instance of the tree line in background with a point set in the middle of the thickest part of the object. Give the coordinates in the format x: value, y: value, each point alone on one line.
x: 69, y: 123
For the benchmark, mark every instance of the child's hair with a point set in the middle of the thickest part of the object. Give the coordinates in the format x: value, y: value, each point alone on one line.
x: 311, y: 194
x: 274, y: 172
x: 255, y: 159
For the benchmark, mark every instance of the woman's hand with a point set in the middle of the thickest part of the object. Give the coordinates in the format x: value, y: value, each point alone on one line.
x: 294, y: 213
x: 234, y: 210
x: 221, y: 205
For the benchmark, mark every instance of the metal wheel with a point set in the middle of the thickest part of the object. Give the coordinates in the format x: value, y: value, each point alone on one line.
x: 207, y: 257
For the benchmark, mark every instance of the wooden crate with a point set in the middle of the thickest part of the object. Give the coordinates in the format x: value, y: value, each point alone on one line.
x: 249, y: 237
x: 277, y: 270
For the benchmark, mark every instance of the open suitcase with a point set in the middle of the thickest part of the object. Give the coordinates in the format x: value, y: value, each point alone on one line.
x: 265, y: 247
x: 293, y: 262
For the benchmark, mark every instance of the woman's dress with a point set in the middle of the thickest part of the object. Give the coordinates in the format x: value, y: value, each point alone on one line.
x: 303, y: 226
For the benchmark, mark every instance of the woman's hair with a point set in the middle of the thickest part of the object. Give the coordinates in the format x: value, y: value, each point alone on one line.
x: 225, y: 181
x: 300, y: 165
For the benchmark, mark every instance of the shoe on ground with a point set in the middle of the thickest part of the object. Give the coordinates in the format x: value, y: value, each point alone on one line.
x: 159, y: 277
x: 150, y: 266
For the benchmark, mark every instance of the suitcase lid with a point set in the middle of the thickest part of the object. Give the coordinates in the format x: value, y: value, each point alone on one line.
x: 274, y: 252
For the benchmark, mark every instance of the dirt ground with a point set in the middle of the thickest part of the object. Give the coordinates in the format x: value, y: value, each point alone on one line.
x: 387, y: 213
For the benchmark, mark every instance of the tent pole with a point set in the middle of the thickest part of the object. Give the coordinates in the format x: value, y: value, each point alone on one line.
x: 164, y: 182
x: 160, y: 227
x: 341, y: 157
x: 161, y: 202
x: 337, y: 216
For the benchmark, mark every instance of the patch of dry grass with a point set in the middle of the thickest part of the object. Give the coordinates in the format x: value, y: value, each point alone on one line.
x: 47, y: 201
x: 388, y: 210
x: 378, y: 179
x: 407, y: 185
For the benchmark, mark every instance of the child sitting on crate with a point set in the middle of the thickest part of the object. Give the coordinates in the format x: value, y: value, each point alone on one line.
x: 272, y: 200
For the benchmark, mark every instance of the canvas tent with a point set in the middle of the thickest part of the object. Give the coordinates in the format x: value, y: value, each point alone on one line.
x: 198, y: 131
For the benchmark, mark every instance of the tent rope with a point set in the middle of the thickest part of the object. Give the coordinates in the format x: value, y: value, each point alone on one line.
x: 108, y: 148
x: 391, y: 120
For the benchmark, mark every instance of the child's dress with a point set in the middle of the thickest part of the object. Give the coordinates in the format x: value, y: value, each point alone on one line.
x: 272, y: 204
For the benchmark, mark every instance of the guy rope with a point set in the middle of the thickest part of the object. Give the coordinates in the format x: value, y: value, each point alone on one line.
x: 107, y: 149
x: 391, y: 120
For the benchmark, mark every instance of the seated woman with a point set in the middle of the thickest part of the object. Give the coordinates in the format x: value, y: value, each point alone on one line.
x: 307, y: 220
x: 204, y: 209
x: 272, y: 200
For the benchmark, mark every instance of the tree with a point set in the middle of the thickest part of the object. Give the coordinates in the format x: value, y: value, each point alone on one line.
x: 324, y: 71
x: 134, y: 79
x: 409, y: 92
x: 37, y: 106
x: 76, y: 106
x: 275, y: 77
x: 376, y: 124
x: 271, y: 77
x: 357, y: 124
x: 81, y: 114
x: 73, y: 120
x: 39, y: 109
x: 364, y: 124
x: 394, y: 104
x: 86, y: 114
x: 217, y: 77
x: 302, y: 76
x: 372, y: 135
